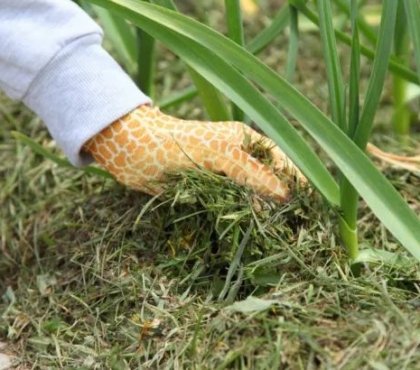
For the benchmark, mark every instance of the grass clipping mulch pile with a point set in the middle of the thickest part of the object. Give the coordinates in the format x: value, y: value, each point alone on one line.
x: 96, y: 276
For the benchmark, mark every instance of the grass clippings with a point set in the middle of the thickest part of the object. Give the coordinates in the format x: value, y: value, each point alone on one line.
x: 210, y: 276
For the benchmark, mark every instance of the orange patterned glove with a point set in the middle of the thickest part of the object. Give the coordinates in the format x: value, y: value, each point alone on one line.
x: 143, y: 146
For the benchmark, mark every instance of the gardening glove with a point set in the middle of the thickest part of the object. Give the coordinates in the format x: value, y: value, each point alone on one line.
x: 140, y: 148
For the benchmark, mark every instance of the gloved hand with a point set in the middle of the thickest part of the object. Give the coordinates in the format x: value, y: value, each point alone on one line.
x: 143, y: 146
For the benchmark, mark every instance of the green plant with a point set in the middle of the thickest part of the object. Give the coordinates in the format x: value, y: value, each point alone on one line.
x: 232, y: 69
x: 222, y: 64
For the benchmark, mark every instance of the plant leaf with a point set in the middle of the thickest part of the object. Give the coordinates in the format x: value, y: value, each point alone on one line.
x: 251, y: 305
x: 377, y: 79
x: 412, y: 9
x: 334, y: 75
x: 37, y: 148
x: 277, y: 25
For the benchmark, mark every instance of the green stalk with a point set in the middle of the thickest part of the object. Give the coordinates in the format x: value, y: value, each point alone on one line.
x: 401, y: 116
x: 234, y: 21
x: 212, y: 100
x: 268, y: 34
x: 145, y: 62
x: 121, y: 35
x: 178, y: 97
x: 365, y: 29
x: 379, y: 69
x: 236, y: 34
x: 255, y: 46
x: 293, y: 44
x: 412, y: 10
x: 332, y: 63
x: 349, y: 197
x: 362, y: 126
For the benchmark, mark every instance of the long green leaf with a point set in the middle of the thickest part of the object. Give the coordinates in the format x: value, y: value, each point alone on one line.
x: 177, y: 97
x: 334, y: 75
x: 292, y: 52
x: 255, y: 46
x: 349, y: 195
x: 121, y: 35
x: 196, y: 43
x: 146, y: 62
x: 401, y: 118
x: 62, y: 162
x: 354, y: 96
x: 412, y: 8
x: 235, y: 33
x: 366, y: 30
x: 234, y: 21
x: 277, y: 25
x: 380, y: 66
x: 212, y: 100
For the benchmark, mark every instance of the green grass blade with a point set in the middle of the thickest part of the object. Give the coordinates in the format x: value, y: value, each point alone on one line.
x: 39, y: 149
x: 332, y: 63
x: 234, y: 21
x: 146, y: 62
x: 349, y: 195
x: 122, y: 37
x: 354, y: 99
x: 412, y: 8
x: 292, y: 53
x: 212, y: 100
x: 379, y: 69
x: 235, y: 33
x: 278, y: 24
x: 255, y: 46
x: 394, y: 66
x: 401, y: 117
x: 177, y: 97
x: 365, y: 29
x: 195, y: 42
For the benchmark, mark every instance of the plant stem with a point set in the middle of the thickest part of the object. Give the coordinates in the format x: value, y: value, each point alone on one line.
x: 401, y: 116
x: 235, y: 33
x: 213, y: 101
x: 349, y: 197
x: 268, y: 34
x: 293, y: 44
x: 145, y: 62
x: 348, y: 220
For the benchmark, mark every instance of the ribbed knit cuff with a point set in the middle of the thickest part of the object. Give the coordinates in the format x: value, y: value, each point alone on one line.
x: 80, y: 92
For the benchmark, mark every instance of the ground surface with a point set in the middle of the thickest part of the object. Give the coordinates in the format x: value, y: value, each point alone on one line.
x: 97, y: 276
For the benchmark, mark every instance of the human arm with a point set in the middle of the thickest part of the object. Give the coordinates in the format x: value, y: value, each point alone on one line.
x: 51, y: 58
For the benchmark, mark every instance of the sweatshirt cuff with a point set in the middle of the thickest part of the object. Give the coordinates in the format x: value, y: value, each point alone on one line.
x: 81, y: 91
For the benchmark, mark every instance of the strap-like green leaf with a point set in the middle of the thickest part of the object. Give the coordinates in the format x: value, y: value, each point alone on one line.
x: 412, y: 9
x: 334, y: 75
x: 377, y: 79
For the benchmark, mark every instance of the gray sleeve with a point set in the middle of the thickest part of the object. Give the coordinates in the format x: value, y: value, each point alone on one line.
x: 51, y: 58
